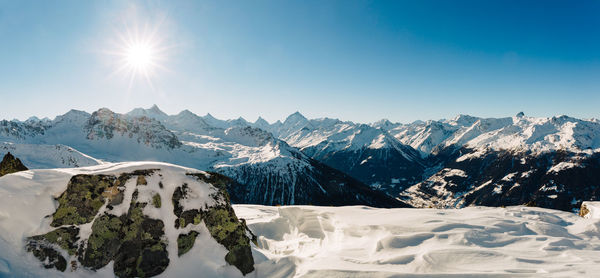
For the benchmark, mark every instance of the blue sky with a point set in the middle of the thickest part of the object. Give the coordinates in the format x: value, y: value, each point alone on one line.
x: 353, y: 60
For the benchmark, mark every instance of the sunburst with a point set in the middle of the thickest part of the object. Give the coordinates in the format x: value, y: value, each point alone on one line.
x: 139, y: 53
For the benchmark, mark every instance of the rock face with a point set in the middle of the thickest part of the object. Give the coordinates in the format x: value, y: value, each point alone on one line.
x: 133, y: 218
x: 11, y: 164
x: 554, y: 179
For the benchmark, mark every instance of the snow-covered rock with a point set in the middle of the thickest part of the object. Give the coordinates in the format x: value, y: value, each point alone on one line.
x: 590, y: 210
x: 133, y: 219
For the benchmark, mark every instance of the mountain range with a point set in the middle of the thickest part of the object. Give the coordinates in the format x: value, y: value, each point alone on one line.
x: 550, y: 162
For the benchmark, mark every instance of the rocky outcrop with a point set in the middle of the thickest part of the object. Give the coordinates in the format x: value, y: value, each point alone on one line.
x: 590, y: 210
x: 120, y: 218
x: 11, y: 164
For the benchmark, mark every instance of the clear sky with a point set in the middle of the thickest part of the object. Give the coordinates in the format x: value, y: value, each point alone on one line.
x: 353, y: 60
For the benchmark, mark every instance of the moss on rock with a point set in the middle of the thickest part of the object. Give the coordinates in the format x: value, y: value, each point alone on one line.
x: 185, y: 242
x: 135, y: 242
x: 221, y: 221
x: 104, y: 242
x: 44, y: 247
x: 156, y: 200
x: 80, y: 203
x: 65, y: 237
x: 224, y: 227
x: 143, y: 252
x: 50, y: 257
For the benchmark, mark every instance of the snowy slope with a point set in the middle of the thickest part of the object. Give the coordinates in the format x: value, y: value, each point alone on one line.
x: 306, y: 241
x: 519, y: 133
x: 39, y: 156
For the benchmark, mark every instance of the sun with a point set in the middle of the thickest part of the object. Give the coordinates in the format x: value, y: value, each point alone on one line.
x: 138, y: 54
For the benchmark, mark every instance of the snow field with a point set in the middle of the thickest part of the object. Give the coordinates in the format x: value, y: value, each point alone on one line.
x: 471, y: 242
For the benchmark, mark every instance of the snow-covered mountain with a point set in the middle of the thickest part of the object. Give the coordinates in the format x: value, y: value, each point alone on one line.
x: 293, y: 161
x: 369, y: 154
x: 461, y: 158
x: 552, y: 179
x: 549, y: 162
x: 271, y: 171
x: 518, y: 133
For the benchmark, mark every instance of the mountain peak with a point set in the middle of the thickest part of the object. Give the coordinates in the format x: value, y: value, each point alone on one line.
x: 462, y: 119
x: 383, y: 123
x: 261, y: 122
x: 186, y: 113
x: 155, y: 109
x: 520, y: 114
x: 295, y: 117
x: 152, y: 112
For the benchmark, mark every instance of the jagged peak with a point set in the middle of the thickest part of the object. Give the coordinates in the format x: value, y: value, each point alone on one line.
x: 520, y: 115
x: 295, y: 117
x: 261, y: 121
x: 156, y: 110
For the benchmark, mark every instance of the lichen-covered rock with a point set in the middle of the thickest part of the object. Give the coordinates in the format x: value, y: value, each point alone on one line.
x: 104, y: 242
x: 119, y: 218
x: 65, y: 237
x: 11, y: 164
x: 84, y: 196
x: 44, y: 247
x: 156, y: 202
x: 185, y: 242
x: 221, y: 221
x: 46, y: 253
x: 143, y: 251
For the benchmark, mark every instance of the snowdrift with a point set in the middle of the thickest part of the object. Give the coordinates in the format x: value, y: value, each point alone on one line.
x: 306, y: 241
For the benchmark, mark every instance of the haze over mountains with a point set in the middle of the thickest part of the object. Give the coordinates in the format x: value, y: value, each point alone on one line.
x: 551, y: 162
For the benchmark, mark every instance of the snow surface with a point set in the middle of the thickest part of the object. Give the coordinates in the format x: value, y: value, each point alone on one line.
x: 309, y: 241
x: 361, y: 241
